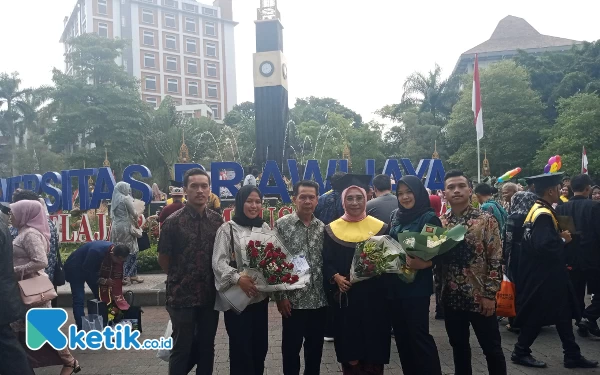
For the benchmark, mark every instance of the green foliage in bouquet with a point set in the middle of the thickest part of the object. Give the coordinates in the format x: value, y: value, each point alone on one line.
x: 373, y: 259
x: 432, y: 241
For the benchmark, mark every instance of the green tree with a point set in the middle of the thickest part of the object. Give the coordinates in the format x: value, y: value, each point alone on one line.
x: 318, y: 109
x: 239, y: 113
x: 512, y: 117
x: 576, y: 126
x: 98, y: 105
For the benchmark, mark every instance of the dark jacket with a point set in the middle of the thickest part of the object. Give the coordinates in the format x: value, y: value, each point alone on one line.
x: 86, y: 260
x: 12, y: 306
x: 584, y: 251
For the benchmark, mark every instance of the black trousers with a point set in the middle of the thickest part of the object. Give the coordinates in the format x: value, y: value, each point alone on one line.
x: 194, y: 327
x: 590, y: 279
x: 488, y: 334
x: 531, y: 330
x: 307, y: 326
x: 416, y: 347
x: 248, y: 339
x: 13, y: 359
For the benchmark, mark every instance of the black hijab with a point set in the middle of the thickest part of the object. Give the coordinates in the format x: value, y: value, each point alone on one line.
x: 422, y: 204
x: 240, y: 217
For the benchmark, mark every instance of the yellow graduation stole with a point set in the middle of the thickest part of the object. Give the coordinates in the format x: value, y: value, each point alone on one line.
x: 358, y: 231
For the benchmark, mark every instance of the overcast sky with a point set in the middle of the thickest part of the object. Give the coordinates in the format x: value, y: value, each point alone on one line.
x: 358, y: 52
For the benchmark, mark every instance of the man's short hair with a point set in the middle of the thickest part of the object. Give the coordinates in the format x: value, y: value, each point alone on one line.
x: 455, y: 173
x: 255, y: 172
x: 194, y: 172
x: 25, y: 195
x: 510, y: 185
x: 580, y: 182
x: 122, y: 251
x: 305, y: 183
x: 382, y: 182
x: 484, y: 189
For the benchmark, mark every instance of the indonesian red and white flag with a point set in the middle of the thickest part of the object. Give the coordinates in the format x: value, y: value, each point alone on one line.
x: 476, y: 106
x: 584, y: 162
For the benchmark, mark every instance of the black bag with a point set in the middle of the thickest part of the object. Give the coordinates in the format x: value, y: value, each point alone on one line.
x: 59, y: 271
x: 134, y: 312
x: 143, y: 242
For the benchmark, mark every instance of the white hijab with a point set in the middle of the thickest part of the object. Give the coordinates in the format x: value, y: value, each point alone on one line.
x: 121, y: 193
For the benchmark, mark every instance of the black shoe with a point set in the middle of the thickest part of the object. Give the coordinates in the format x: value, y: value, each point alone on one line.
x: 590, y: 326
x: 528, y: 360
x: 581, y: 363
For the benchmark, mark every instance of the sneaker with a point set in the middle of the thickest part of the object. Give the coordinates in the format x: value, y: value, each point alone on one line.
x: 580, y: 363
x: 328, y: 339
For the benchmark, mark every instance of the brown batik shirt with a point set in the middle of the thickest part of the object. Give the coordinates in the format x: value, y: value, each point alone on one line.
x: 473, y: 269
x: 188, y: 238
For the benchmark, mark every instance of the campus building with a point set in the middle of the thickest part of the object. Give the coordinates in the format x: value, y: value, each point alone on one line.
x: 511, y: 35
x: 181, y: 48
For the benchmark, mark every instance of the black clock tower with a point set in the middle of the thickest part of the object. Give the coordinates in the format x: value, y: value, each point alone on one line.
x: 270, y: 85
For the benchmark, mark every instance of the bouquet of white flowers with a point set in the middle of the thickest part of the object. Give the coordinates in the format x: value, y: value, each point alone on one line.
x: 432, y: 241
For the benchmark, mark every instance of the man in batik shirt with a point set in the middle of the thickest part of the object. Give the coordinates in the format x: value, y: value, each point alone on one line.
x: 469, y: 277
x: 303, y: 310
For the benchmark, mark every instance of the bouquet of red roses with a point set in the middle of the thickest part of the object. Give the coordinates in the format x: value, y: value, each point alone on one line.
x: 271, y: 261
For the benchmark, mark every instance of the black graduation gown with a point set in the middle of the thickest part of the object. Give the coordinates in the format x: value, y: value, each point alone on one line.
x: 544, y: 293
x: 361, y: 323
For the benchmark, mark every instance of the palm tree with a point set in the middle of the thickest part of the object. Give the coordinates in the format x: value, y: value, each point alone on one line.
x: 430, y: 93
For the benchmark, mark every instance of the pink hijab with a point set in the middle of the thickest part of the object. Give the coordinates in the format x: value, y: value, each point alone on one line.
x: 30, y: 214
x: 347, y: 217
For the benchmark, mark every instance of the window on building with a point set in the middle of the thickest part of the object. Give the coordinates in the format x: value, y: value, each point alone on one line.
x: 149, y: 1
x: 148, y: 38
x: 103, y: 29
x: 211, y: 50
x: 190, y: 25
x: 102, y: 7
x: 213, y: 91
x: 83, y: 26
x: 170, y: 20
x: 149, y: 60
x: 172, y: 85
x: 193, y: 88
x: 190, y: 45
x: 123, y: 21
x: 171, y: 63
x: 215, y: 110
x: 152, y: 100
x: 209, y: 12
x: 150, y: 83
x: 210, y: 29
x: 147, y: 16
x: 171, y: 42
x: 190, y: 7
x: 170, y: 3
x: 192, y: 67
x: 211, y: 69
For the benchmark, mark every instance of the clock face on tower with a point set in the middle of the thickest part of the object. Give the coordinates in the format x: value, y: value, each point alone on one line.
x: 284, y: 71
x: 267, y: 68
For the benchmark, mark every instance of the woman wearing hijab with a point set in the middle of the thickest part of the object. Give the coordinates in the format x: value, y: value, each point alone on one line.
x: 248, y: 331
x: 409, y: 303
x: 361, y: 326
x: 30, y: 257
x: 124, y: 219
x: 520, y: 204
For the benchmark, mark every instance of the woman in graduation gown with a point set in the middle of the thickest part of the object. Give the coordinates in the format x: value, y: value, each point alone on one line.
x: 409, y: 303
x: 361, y: 325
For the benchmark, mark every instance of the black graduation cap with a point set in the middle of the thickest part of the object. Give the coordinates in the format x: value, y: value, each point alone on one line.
x: 546, y: 180
x: 362, y: 180
x: 5, y: 208
x: 175, y: 183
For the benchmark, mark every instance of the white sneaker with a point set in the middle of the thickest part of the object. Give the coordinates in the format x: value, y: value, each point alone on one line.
x: 328, y: 339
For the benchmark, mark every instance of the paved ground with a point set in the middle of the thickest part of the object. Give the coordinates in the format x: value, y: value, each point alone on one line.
x: 546, y: 348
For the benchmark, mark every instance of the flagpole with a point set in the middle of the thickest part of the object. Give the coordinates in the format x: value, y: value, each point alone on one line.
x: 478, y: 164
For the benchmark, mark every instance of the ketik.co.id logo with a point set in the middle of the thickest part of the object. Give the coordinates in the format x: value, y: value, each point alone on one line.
x: 44, y: 326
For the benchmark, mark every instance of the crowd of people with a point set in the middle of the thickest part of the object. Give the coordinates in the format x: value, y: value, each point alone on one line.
x: 544, y: 238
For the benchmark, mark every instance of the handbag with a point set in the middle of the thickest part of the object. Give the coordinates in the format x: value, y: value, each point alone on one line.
x: 143, y: 242
x: 59, y: 271
x: 36, y: 290
x: 505, y: 299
